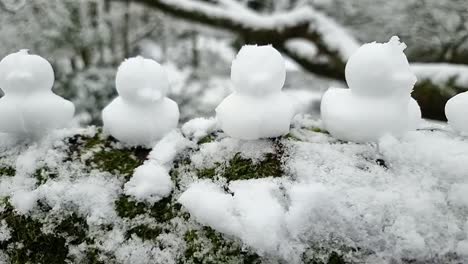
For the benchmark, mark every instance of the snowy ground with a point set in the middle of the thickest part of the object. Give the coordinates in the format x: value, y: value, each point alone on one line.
x: 298, y: 198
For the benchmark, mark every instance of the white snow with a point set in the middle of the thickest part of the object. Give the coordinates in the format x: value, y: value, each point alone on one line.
x: 378, y: 102
x: 151, y: 181
x: 442, y: 73
x: 251, y: 213
x: 303, y: 48
x: 257, y: 108
x: 142, y: 114
x: 455, y: 111
x: 198, y: 128
x: 168, y: 147
x: 5, y: 232
x: 24, y: 201
x: 336, y: 194
x: 29, y: 109
x: 93, y: 197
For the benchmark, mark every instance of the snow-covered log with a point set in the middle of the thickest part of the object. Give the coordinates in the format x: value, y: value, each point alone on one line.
x: 80, y: 196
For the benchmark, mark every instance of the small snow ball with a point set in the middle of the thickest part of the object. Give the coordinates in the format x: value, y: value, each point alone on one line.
x: 29, y: 108
x: 455, y: 111
x: 257, y: 108
x: 141, y: 114
x: 378, y: 101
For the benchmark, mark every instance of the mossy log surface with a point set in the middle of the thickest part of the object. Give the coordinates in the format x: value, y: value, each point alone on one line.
x: 51, y: 236
x: 45, y: 237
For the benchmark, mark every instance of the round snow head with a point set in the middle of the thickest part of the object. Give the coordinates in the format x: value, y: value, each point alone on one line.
x: 380, y: 69
x: 141, y: 80
x: 258, y: 70
x: 22, y: 72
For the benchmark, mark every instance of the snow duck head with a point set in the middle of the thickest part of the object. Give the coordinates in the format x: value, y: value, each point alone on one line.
x: 22, y: 72
x: 258, y: 70
x: 141, y: 80
x: 380, y: 69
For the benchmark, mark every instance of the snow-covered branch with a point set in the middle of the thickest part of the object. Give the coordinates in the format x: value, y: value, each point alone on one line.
x: 442, y: 73
x: 332, y: 41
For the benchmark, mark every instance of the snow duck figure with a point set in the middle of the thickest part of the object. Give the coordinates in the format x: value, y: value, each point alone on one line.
x: 378, y: 101
x: 142, y: 114
x: 29, y: 108
x: 257, y: 108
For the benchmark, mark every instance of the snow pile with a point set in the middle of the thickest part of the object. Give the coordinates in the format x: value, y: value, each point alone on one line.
x: 151, y: 181
x: 252, y: 213
x: 29, y: 108
x: 455, y: 110
x: 402, y: 199
x: 257, y: 108
x: 142, y: 114
x: 441, y: 74
x: 199, y: 128
x: 366, y: 112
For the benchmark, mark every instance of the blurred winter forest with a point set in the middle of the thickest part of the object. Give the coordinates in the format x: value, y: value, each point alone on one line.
x: 196, y: 41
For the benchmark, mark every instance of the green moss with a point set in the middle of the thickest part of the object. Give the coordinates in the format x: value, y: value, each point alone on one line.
x: 106, y: 157
x: 92, y: 256
x: 208, y: 246
x: 289, y: 136
x: 7, y: 171
x: 144, y: 232
x: 74, y: 228
x: 207, y: 139
x: 36, y: 247
x: 162, y: 211
x: 330, y: 254
x: 432, y: 98
x: 119, y: 161
x: 240, y: 168
x: 317, y: 130
x: 44, y: 174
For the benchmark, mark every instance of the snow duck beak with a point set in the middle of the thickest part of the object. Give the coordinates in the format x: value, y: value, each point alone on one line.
x: 150, y: 94
x: 19, y: 79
